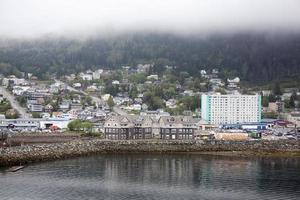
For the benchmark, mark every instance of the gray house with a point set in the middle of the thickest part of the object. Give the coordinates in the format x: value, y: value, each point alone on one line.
x: 128, y: 127
x: 177, y: 127
x: 145, y: 127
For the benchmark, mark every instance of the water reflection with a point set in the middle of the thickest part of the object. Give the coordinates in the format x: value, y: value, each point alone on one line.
x: 143, y: 176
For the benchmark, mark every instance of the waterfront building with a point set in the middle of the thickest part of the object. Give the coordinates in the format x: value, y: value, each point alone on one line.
x: 230, y: 109
x: 177, y: 127
x: 33, y: 124
x: 128, y: 127
x: 146, y: 127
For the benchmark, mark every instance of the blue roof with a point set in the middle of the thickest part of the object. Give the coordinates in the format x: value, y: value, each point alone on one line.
x: 250, y: 123
x: 268, y: 120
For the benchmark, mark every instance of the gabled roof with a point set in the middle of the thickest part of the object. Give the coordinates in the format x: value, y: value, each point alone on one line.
x: 177, y: 119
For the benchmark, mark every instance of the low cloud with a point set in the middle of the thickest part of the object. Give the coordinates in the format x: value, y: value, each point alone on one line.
x: 35, y: 18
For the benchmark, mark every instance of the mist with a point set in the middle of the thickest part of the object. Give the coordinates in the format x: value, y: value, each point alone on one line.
x: 81, y: 18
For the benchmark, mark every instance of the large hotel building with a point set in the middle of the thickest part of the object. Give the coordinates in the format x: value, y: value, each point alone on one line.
x: 230, y: 109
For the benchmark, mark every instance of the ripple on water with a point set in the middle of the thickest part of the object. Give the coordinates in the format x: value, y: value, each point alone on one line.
x: 143, y: 177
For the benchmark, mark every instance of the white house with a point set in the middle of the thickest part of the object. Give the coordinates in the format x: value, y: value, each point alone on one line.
x: 77, y: 85
x: 115, y: 82
x: 86, y: 77
x: 153, y: 76
x: 97, y: 74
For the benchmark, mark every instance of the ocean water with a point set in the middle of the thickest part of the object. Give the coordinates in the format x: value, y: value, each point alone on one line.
x: 155, y: 176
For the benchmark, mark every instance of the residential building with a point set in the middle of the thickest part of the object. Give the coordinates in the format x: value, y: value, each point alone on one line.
x: 266, y: 93
x: 128, y: 127
x: 228, y: 109
x: 36, y: 107
x: 76, y: 106
x: 156, y: 114
x: 171, y: 103
x: 177, y: 127
x: 65, y: 105
x: 277, y: 106
x: 143, y: 68
x: 97, y: 74
x: 115, y: 82
x: 86, y: 77
x: 12, y: 80
x: 48, y: 108
x: 77, y: 85
x: 153, y: 76
x: 20, y: 124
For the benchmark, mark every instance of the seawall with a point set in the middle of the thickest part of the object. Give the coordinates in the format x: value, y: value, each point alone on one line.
x: 43, y: 152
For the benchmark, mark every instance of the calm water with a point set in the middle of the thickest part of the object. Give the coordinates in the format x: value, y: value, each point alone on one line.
x: 142, y: 176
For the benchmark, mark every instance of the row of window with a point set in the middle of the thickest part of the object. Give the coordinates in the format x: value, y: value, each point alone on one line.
x: 173, y: 131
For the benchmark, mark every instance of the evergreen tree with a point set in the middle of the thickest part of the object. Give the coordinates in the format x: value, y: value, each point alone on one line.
x: 292, y: 100
x: 276, y: 89
x: 110, y: 102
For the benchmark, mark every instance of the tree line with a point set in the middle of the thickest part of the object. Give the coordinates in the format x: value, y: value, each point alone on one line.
x: 256, y: 58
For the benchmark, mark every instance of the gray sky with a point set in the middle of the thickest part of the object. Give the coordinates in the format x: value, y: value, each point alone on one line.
x: 33, y: 18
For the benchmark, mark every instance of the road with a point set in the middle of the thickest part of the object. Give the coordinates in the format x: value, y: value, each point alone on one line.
x: 119, y: 110
x: 97, y: 100
x: 14, y: 103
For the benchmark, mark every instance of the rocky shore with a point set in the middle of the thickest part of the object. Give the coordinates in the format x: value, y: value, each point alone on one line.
x: 44, y: 152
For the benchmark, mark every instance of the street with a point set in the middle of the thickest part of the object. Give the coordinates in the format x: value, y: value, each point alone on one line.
x: 14, y: 103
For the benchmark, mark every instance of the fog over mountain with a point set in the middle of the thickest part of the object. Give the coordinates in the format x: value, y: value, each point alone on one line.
x: 36, y: 18
x: 258, y: 40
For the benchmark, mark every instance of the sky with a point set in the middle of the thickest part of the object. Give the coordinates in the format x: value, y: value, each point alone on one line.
x: 35, y: 18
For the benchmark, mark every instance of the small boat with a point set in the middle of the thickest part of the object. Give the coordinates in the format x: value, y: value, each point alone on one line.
x: 15, y: 168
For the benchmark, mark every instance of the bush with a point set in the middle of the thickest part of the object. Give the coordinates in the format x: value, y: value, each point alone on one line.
x: 79, y: 125
x: 92, y: 134
x: 36, y: 115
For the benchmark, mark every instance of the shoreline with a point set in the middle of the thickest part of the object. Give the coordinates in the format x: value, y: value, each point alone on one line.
x: 56, y: 151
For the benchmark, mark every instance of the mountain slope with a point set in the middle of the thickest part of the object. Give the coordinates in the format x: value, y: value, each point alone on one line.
x: 257, y: 58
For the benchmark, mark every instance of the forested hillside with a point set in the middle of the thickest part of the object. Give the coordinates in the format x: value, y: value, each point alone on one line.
x: 257, y: 58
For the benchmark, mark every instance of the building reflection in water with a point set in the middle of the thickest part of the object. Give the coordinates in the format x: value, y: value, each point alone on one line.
x: 156, y: 176
x: 200, y: 172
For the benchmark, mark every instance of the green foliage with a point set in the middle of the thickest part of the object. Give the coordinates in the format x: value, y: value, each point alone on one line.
x: 153, y: 101
x: 256, y: 58
x: 79, y: 125
x: 276, y: 90
x: 87, y: 100
x: 292, y: 100
x: 190, y: 103
x: 112, y: 89
x: 171, y: 78
x: 4, y: 106
x: 11, y: 114
x: 92, y: 134
x: 36, y: 115
x: 272, y: 98
x: 22, y: 100
x: 221, y: 91
x: 133, y: 93
x: 182, y: 76
x: 169, y: 92
x: 176, y: 111
x: 265, y: 101
x: 110, y: 102
x: 138, y: 78
x: 271, y: 115
x: 8, y: 69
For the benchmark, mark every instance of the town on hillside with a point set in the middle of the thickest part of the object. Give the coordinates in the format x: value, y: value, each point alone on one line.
x: 134, y: 102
